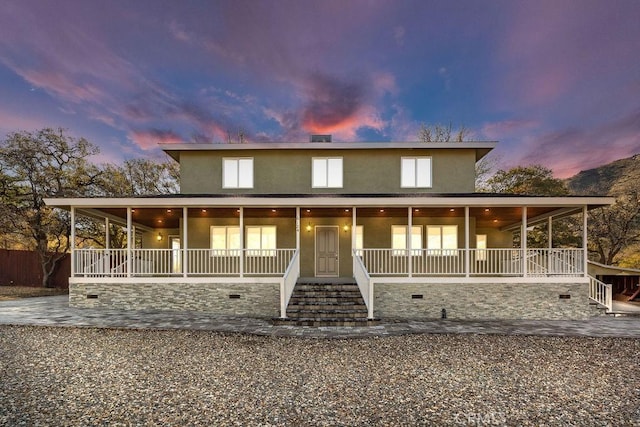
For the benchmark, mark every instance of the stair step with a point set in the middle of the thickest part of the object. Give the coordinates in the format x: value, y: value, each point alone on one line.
x: 325, y: 300
x: 326, y: 322
x: 334, y: 294
x: 323, y: 305
x: 323, y: 287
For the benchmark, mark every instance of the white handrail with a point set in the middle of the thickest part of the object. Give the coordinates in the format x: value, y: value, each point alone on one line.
x: 601, y: 293
x: 363, y: 279
x: 289, y: 280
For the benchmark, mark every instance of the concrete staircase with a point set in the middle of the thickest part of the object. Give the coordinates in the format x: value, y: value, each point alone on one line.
x: 326, y: 304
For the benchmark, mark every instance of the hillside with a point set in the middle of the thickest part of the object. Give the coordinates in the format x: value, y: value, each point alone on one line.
x: 611, y: 178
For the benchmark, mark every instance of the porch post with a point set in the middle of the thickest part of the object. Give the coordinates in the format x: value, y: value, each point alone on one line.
x: 107, y: 235
x: 585, y: 250
x: 298, y: 238
x: 467, y: 264
x: 72, y: 244
x: 185, y: 240
x: 241, y: 241
x: 129, y: 228
x: 523, y: 241
x: 550, y: 232
x: 409, y: 239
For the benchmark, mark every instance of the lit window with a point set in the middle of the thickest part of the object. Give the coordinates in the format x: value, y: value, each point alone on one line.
x: 327, y: 172
x: 225, y: 240
x: 416, y: 172
x: 359, y: 243
x: 237, y: 173
x: 261, y: 240
x: 399, y: 239
x: 481, y: 244
x: 442, y: 239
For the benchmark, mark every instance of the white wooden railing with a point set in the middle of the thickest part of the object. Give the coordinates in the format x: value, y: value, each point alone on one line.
x: 289, y: 280
x: 482, y: 262
x: 601, y: 293
x: 169, y: 262
x: 364, y: 281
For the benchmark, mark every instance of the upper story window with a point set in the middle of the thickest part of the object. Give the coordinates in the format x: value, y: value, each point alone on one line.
x: 416, y: 172
x: 327, y: 172
x: 237, y: 172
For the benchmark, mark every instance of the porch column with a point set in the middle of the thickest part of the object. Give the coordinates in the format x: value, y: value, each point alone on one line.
x: 550, y: 232
x: 409, y: 238
x: 107, y: 235
x: 466, y: 241
x: 185, y: 241
x: 523, y: 241
x: 585, y: 250
x: 353, y: 229
x: 298, y: 238
x: 241, y: 242
x: 129, y: 228
x: 72, y: 244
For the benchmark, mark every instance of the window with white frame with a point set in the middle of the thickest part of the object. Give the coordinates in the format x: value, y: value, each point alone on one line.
x: 261, y: 240
x: 237, y: 172
x: 399, y: 239
x: 359, y: 242
x: 416, y: 172
x: 442, y: 239
x: 225, y: 240
x: 481, y: 245
x: 327, y: 172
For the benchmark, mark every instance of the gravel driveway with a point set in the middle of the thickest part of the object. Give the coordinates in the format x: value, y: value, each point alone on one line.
x: 82, y: 376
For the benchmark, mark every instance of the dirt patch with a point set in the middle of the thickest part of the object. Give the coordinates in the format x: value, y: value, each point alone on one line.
x: 16, y: 292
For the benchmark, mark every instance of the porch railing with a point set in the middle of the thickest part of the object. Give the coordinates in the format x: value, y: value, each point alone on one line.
x: 482, y: 262
x: 170, y: 262
x: 289, y: 280
x: 601, y: 293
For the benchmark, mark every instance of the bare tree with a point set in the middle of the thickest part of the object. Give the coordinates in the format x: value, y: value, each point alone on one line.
x: 442, y: 133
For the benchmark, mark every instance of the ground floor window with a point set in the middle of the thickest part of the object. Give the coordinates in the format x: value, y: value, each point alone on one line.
x: 261, y: 240
x: 481, y: 244
x: 442, y: 239
x: 225, y: 240
x: 400, y: 239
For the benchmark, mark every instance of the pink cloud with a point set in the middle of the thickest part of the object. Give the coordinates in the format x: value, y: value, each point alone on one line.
x: 149, y: 139
x: 570, y: 151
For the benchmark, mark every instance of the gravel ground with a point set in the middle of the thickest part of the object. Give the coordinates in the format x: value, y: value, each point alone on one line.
x: 82, y: 376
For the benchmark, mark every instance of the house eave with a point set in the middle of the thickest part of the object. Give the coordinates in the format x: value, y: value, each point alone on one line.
x: 331, y: 201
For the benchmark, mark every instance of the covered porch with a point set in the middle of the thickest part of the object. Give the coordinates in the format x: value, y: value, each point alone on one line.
x: 378, y: 241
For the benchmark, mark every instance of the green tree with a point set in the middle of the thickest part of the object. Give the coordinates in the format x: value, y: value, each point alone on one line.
x: 535, y: 180
x: 36, y: 165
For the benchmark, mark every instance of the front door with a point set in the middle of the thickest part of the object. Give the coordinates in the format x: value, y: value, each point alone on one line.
x: 327, y: 255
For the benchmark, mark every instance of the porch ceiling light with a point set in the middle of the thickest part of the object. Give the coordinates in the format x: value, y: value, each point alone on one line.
x: 452, y: 210
x: 487, y: 209
x: 169, y: 211
x: 204, y: 211
x: 381, y: 210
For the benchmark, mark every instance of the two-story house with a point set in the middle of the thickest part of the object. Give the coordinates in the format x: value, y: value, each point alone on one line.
x: 401, y: 220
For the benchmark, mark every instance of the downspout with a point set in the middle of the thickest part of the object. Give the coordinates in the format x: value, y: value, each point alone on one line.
x: 585, y: 250
x: 185, y: 241
x: 523, y: 241
x: 73, y: 241
x: 467, y: 264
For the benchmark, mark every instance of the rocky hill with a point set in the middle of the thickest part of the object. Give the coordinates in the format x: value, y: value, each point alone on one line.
x: 609, y: 179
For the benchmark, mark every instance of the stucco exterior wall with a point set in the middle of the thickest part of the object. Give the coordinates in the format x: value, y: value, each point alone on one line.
x: 482, y: 301
x: 364, y: 171
x: 255, y: 299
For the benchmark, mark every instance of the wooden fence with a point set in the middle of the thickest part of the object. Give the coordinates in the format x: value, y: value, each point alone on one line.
x: 23, y: 268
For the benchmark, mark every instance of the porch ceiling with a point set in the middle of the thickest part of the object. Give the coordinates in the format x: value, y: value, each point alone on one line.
x: 489, y: 217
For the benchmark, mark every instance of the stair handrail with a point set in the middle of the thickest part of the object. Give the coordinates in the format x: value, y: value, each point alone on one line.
x: 363, y: 279
x: 289, y: 279
x: 601, y: 293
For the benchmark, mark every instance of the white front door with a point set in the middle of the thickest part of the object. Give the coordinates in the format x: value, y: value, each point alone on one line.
x: 327, y: 253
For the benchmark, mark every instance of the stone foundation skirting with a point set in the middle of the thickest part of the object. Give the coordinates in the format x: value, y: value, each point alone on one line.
x: 482, y: 300
x: 234, y: 299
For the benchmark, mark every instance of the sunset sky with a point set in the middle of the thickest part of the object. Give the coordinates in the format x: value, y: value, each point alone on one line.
x: 555, y: 82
